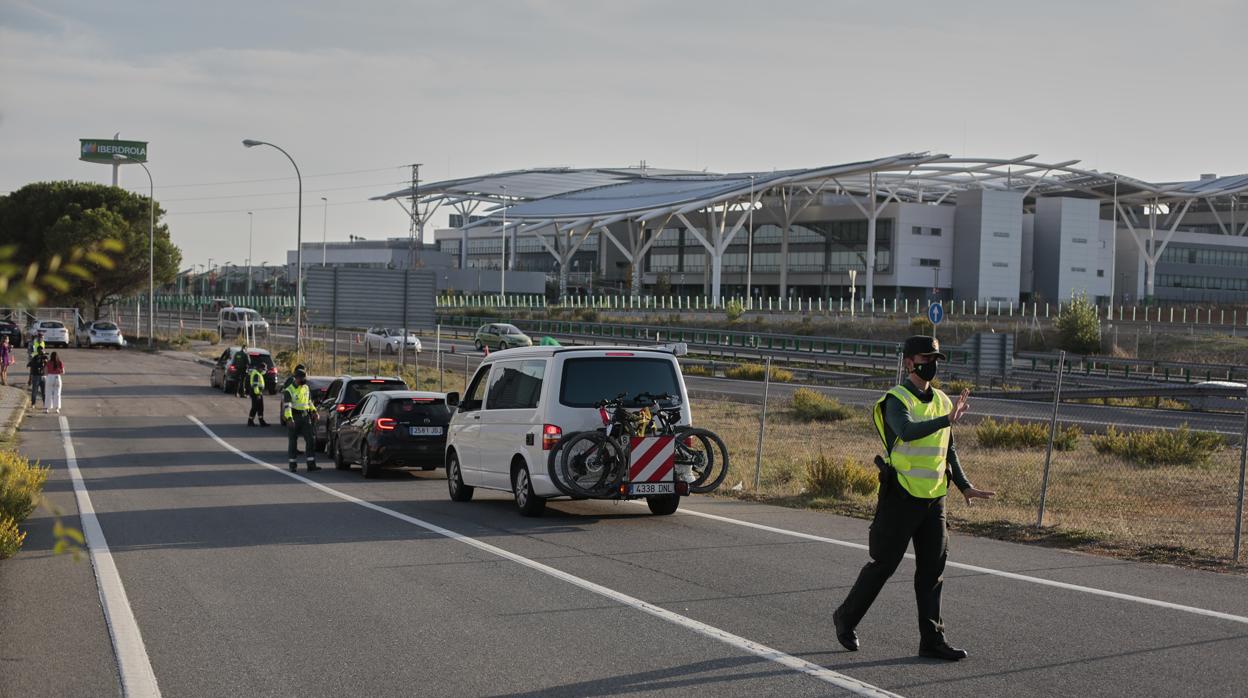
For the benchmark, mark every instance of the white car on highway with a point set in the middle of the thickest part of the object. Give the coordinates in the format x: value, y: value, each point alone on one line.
x: 233, y: 322
x: 522, y: 401
x: 389, y: 340
x: 101, y: 333
x: 55, y: 333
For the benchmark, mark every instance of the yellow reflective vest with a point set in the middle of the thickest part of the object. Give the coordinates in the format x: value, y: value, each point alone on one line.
x: 298, y: 398
x: 256, y: 378
x: 920, y: 464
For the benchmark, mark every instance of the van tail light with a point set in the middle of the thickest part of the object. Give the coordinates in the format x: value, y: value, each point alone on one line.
x: 604, y: 415
x: 385, y: 424
x: 344, y: 407
x: 550, y: 436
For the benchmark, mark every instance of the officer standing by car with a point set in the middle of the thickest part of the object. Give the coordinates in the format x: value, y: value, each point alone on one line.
x: 241, y: 362
x: 300, y: 415
x: 255, y: 388
x: 914, y: 420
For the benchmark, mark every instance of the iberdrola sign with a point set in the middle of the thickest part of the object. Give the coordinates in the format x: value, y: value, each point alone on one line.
x: 103, y: 150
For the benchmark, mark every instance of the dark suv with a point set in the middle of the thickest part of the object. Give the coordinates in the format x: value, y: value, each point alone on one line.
x: 393, y: 429
x: 12, y: 331
x: 225, y: 374
x: 342, y: 396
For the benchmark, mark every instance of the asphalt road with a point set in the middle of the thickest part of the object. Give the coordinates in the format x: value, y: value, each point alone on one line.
x: 244, y: 580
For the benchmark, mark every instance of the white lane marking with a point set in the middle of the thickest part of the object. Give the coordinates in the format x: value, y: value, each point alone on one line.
x: 135, y: 669
x: 757, y: 649
x: 982, y: 570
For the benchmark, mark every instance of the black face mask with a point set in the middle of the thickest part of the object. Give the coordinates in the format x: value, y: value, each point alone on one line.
x: 926, y: 371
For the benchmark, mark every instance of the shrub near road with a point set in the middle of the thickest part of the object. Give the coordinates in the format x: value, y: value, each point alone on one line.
x: 20, y: 485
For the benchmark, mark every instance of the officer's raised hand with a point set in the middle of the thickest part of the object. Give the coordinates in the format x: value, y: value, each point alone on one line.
x: 960, y: 407
x: 971, y: 493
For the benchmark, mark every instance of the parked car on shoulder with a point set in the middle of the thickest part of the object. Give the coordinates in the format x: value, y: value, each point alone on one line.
x: 342, y: 396
x: 101, y: 333
x: 225, y: 375
x: 389, y: 340
x: 317, y: 386
x: 521, y: 403
x: 233, y: 322
x: 10, y: 329
x: 393, y: 429
x: 55, y: 333
x: 500, y: 335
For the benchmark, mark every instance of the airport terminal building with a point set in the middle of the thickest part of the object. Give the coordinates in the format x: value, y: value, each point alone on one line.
x: 908, y: 226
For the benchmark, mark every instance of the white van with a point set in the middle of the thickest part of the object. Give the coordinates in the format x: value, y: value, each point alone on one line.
x: 233, y: 322
x: 521, y: 402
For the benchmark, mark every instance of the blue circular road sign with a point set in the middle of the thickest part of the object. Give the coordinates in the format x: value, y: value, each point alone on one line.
x: 935, y: 313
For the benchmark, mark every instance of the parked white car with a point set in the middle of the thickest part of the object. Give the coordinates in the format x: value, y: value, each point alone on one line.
x: 522, y: 401
x: 389, y: 340
x: 55, y: 333
x: 233, y: 322
x: 101, y: 333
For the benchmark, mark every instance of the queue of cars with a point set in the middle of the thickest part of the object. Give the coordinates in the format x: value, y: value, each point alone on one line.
x: 57, y: 333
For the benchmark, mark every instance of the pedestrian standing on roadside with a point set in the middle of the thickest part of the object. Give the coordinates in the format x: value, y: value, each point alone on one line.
x: 6, y: 359
x: 55, y: 370
x: 35, y: 346
x: 37, y: 364
x: 300, y: 416
x: 255, y: 384
x: 914, y: 420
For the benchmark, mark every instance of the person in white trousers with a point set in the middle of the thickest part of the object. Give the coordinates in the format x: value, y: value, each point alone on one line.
x: 55, y: 370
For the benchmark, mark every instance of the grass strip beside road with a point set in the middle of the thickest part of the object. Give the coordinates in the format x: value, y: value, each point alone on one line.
x: 1097, y: 502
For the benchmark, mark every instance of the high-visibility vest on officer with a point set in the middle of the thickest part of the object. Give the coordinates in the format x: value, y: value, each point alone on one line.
x: 914, y: 421
x: 299, y: 399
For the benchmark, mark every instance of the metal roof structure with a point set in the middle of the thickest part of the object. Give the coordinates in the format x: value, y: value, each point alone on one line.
x: 571, y: 202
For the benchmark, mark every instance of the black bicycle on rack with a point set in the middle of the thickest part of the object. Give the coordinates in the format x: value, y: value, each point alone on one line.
x: 595, y: 464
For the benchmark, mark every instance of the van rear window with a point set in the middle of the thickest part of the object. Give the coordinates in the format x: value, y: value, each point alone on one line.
x: 591, y: 379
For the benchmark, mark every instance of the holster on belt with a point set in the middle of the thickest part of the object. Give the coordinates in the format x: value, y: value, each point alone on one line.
x: 888, y: 475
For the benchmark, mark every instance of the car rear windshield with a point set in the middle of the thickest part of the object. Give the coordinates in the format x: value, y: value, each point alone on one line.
x: 509, y: 329
x: 587, y: 381
x: 356, y: 390
x: 105, y: 326
x: 266, y: 358
x: 52, y: 325
x: 418, y: 409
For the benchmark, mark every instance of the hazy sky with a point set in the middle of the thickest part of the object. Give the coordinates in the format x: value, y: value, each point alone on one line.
x: 355, y: 90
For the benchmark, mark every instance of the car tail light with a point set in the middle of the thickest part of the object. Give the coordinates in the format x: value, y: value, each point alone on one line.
x: 385, y: 424
x: 344, y: 407
x: 272, y: 371
x: 604, y: 416
x: 231, y: 368
x: 550, y: 436
x: 422, y: 399
x: 376, y: 380
x: 619, y: 353
x: 682, y: 488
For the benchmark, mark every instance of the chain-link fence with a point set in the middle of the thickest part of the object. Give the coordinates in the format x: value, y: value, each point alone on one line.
x: 1122, y: 475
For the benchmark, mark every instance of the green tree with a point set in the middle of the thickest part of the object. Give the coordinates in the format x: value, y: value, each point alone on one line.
x: 46, y: 220
x: 1079, y: 327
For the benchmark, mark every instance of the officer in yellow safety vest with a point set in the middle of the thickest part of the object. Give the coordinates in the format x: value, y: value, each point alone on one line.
x: 300, y: 415
x: 914, y: 420
x: 255, y: 388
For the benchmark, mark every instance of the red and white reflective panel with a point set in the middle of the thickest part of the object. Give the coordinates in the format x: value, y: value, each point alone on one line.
x: 651, y: 458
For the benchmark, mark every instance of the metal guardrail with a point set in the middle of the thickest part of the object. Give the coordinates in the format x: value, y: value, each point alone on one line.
x: 1139, y: 369
x: 1160, y: 391
x: 798, y: 346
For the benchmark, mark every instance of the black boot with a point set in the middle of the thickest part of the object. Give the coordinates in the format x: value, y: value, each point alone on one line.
x: 313, y: 467
x: 293, y: 466
x: 941, y: 650
x: 263, y: 423
x: 251, y: 423
x: 846, y: 636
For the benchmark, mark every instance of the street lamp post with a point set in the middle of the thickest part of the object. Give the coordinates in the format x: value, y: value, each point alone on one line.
x: 324, y: 227
x: 250, y: 229
x: 749, y: 252
x: 151, y: 246
x: 249, y: 143
x: 502, y: 268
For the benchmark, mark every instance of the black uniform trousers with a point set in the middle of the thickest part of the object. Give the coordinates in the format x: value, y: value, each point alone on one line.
x: 900, y: 518
x: 257, y: 406
x: 300, y: 424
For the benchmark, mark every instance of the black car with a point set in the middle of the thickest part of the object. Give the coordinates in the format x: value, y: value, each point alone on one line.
x: 10, y: 329
x: 342, y: 396
x: 225, y: 375
x: 393, y: 429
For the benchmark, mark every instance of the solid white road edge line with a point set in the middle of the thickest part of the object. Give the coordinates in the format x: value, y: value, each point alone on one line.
x: 759, y: 650
x: 137, y: 678
x: 982, y: 570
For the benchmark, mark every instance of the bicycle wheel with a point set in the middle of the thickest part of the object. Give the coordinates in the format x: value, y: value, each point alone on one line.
x: 590, y: 465
x: 706, y: 456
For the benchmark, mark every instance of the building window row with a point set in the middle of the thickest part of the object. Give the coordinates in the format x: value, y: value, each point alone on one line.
x: 921, y: 230
x: 1217, y: 283
x: 1179, y: 254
